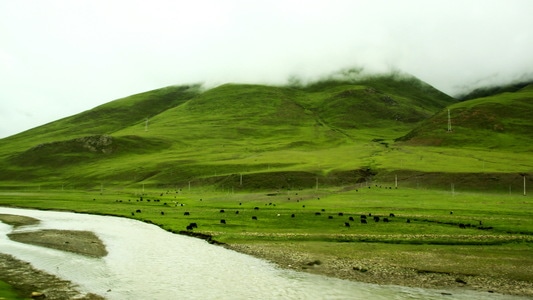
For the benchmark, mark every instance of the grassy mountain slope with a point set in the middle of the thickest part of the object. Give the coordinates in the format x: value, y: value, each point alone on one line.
x: 340, y: 130
x: 104, y: 119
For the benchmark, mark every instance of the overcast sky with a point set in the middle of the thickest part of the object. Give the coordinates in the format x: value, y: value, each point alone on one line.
x: 59, y: 58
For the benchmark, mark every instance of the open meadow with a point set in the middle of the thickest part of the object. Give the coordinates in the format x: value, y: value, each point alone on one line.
x: 371, y: 233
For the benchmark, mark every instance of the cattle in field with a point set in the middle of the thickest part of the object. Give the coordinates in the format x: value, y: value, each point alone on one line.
x: 222, y: 221
x: 186, y: 213
x: 346, y: 224
x: 254, y: 217
x: 386, y: 220
x: 351, y: 219
x: 376, y: 219
x: 363, y: 221
x: 391, y: 215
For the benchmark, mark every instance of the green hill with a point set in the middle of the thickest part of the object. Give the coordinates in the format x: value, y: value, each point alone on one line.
x: 342, y: 131
x: 501, y: 121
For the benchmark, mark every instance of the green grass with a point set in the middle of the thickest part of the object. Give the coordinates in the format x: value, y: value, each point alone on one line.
x: 502, y: 243
x: 493, y: 123
x: 427, y: 209
x: 8, y: 293
x: 333, y: 130
x: 233, y: 128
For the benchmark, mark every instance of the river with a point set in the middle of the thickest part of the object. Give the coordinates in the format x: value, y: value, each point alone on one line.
x: 146, y: 262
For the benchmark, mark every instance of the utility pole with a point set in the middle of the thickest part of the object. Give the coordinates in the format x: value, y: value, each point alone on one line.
x: 524, y: 178
x: 449, y: 122
x: 146, y: 125
x: 453, y: 190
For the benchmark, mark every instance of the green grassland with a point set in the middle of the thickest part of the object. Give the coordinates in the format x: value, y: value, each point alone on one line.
x: 7, y: 292
x: 497, y: 239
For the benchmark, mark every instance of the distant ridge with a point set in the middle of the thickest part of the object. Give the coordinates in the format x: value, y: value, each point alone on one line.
x: 495, y: 90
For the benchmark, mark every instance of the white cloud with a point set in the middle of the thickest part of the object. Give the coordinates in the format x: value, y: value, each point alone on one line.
x: 61, y: 57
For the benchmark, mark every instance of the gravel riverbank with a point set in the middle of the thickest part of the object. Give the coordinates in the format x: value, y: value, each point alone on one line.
x: 26, y: 279
x: 380, y: 272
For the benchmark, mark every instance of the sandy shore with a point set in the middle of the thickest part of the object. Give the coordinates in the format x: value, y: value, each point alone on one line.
x: 80, y: 242
x: 76, y: 241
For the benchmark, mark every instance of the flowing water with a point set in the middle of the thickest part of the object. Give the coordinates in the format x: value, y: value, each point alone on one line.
x: 146, y: 262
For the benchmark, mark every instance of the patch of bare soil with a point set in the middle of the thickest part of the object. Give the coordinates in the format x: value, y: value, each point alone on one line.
x: 80, y: 242
x: 17, y: 221
x: 381, y: 272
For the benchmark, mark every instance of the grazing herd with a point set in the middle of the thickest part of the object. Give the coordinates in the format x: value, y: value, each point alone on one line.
x: 363, y: 218
x: 193, y: 225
